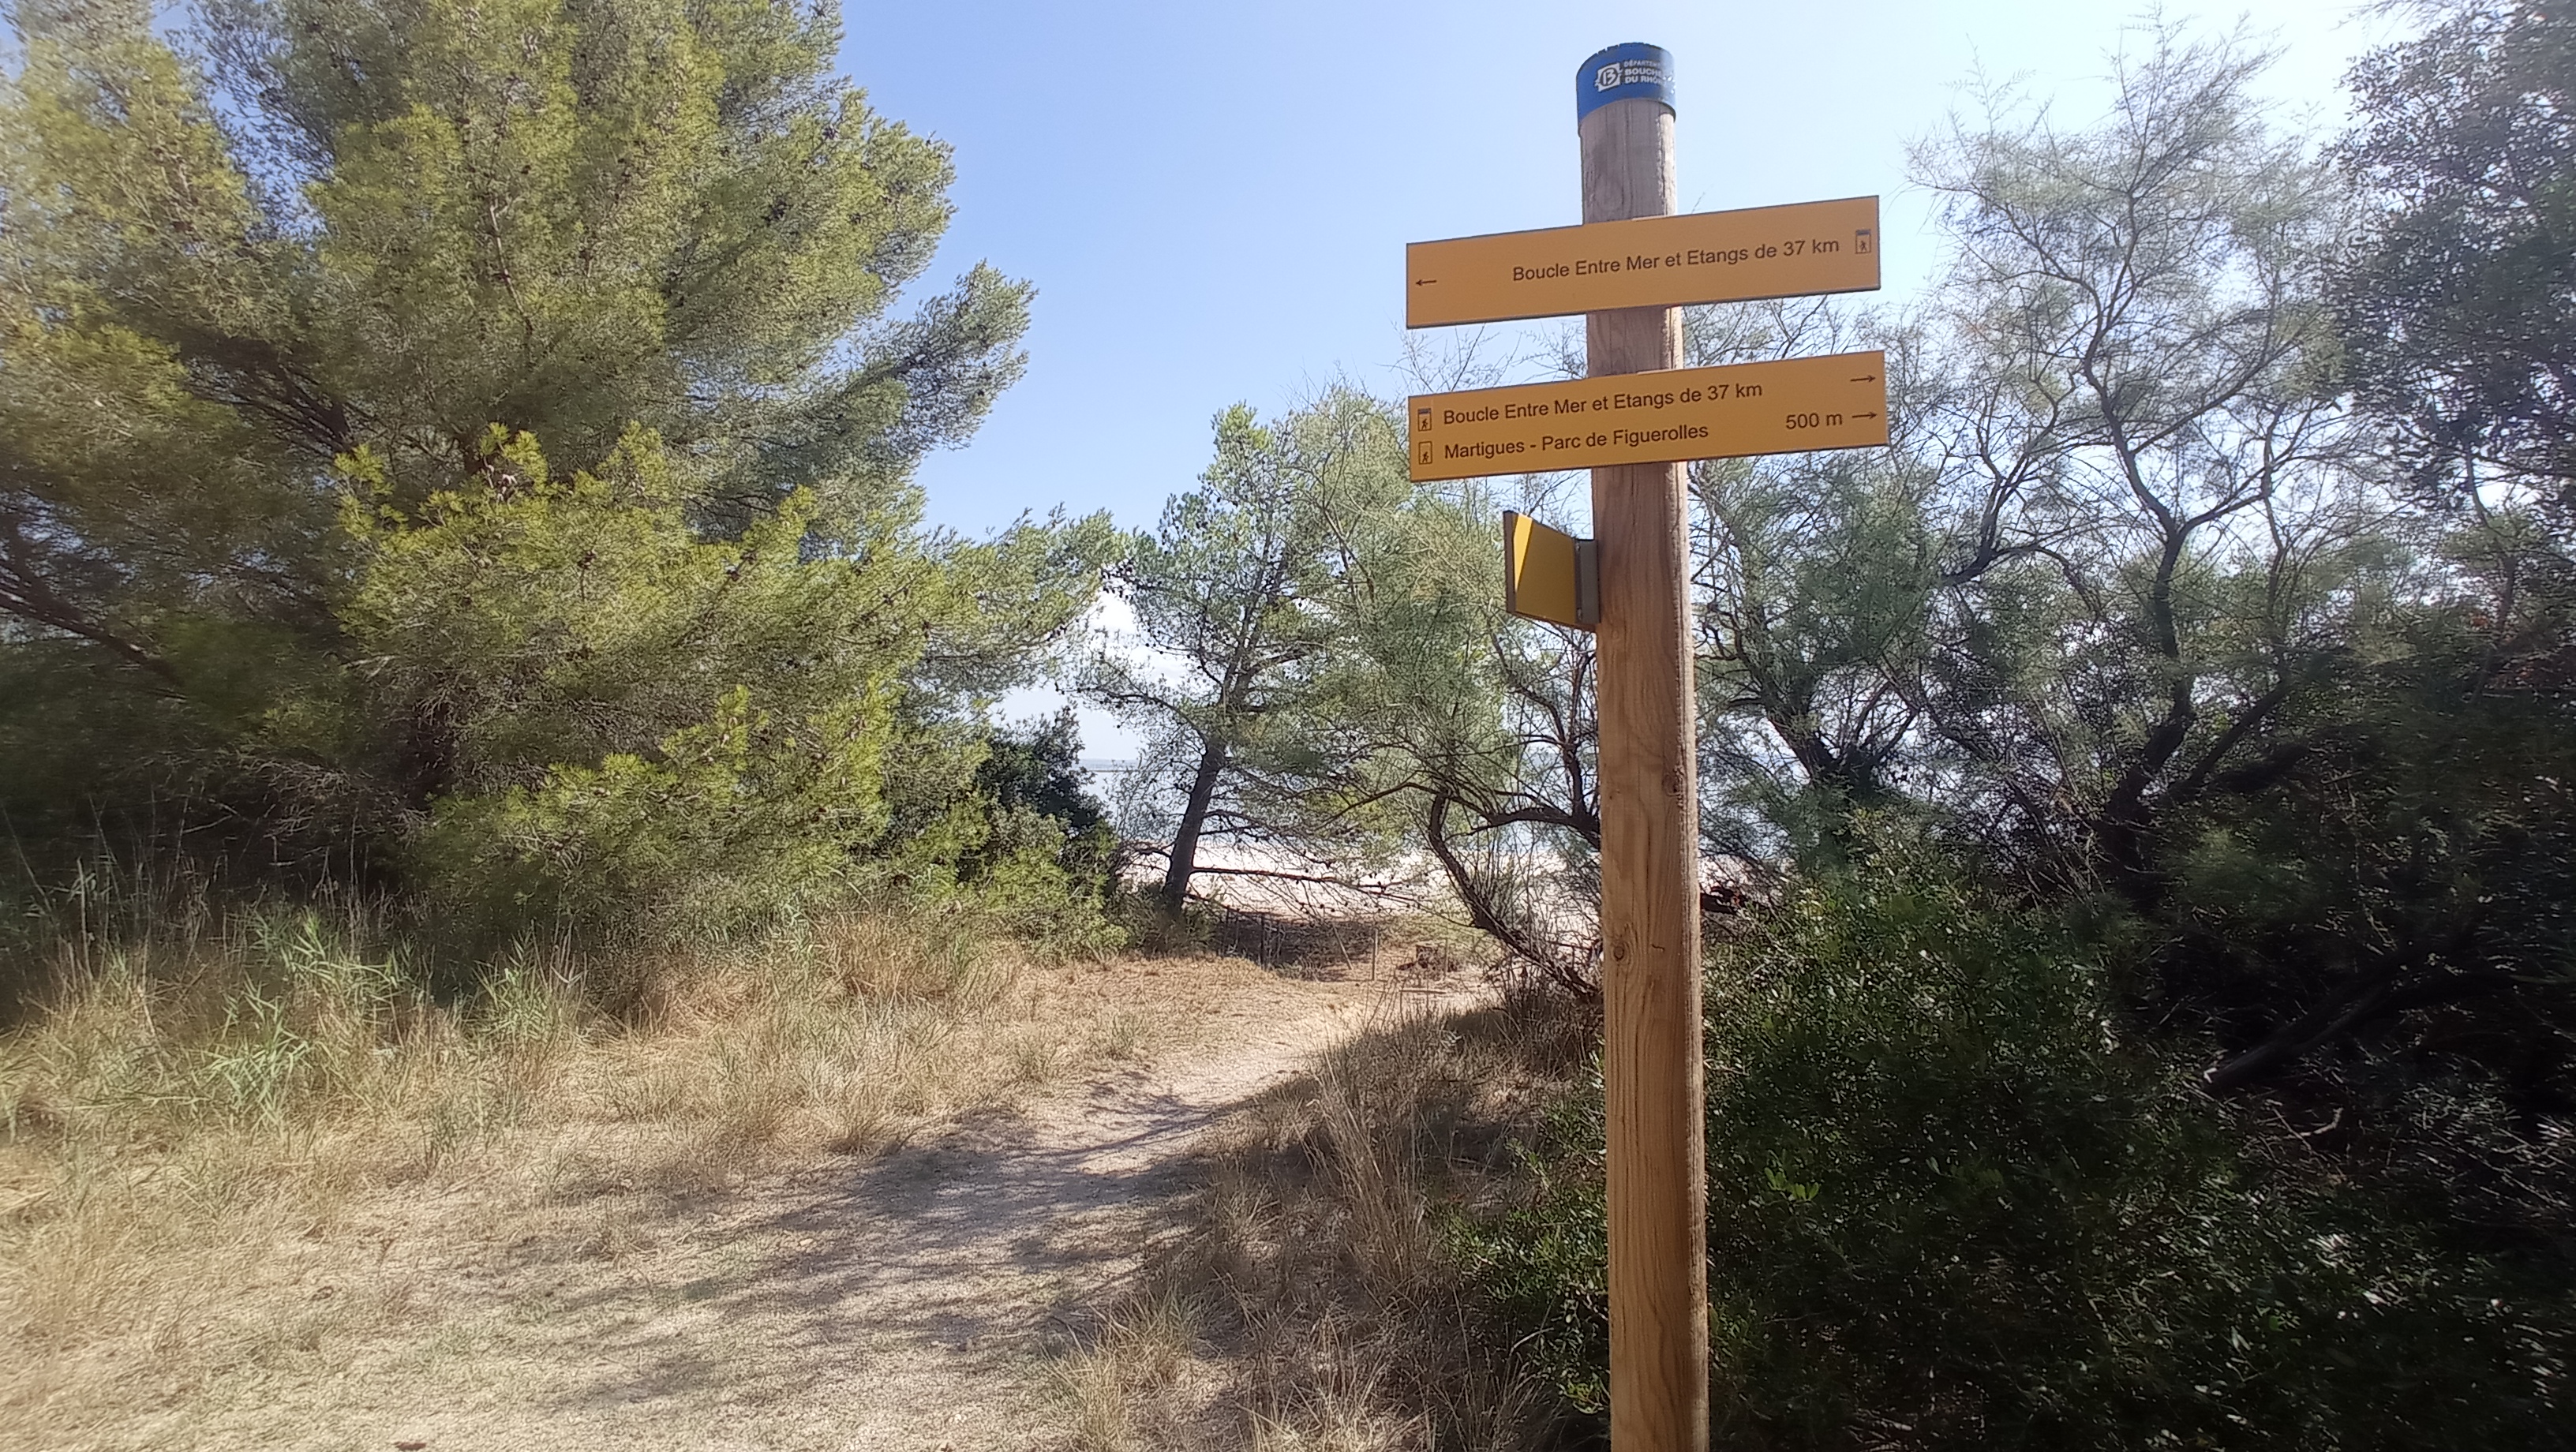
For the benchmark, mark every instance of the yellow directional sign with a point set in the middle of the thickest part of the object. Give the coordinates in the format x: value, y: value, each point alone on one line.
x: 1835, y: 402
x: 1548, y: 574
x: 1704, y: 257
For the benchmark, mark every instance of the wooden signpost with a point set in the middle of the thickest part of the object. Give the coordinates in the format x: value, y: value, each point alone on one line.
x: 1634, y: 422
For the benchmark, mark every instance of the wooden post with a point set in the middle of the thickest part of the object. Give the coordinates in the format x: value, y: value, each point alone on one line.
x: 1649, y: 820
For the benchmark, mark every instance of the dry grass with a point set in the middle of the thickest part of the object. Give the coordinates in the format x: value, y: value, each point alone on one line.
x: 1314, y: 1297
x: 193, y: 1113
x: 1113, y: 1382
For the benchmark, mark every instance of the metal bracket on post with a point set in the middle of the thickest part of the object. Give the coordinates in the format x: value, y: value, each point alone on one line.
x: 1587, y: 583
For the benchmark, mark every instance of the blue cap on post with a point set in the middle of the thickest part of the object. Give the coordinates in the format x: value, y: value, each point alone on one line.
x: 1623, y: 72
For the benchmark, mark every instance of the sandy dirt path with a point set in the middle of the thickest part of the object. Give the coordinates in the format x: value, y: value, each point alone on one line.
x: 921, y: 1301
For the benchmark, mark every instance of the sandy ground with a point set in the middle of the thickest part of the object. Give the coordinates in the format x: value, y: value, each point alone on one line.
x: 922, y: 1301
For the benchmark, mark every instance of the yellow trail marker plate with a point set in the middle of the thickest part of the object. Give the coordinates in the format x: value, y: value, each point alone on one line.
x: 1835, y: 402
x: 1549, y: 574
x: 1651, y: 262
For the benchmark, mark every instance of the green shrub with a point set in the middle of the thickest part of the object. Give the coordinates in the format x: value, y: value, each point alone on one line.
x: 1952, y: 1205
x: 728, y: 825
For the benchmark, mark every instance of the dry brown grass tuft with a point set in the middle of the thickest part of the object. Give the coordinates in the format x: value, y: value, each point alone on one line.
x: 1139, y: 1382
x: 1316, y: 1263
x: 191, y: 1118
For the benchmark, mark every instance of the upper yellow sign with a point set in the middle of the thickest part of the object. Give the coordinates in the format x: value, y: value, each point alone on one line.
x: 1838, y: 401
x: 1652, y: 262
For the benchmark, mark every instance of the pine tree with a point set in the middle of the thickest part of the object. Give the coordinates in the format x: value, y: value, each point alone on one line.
x: 293, y: 317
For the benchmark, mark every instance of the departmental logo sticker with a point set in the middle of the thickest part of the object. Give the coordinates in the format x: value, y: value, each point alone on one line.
x: 1606, y: 78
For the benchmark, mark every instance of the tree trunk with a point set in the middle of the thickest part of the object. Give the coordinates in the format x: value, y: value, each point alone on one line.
x: 1185, y: 841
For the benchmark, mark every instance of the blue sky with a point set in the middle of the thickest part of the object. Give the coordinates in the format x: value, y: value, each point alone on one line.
x: 1213, y: 200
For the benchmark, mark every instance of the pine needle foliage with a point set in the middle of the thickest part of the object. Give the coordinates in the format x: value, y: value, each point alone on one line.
x: 469, y: 442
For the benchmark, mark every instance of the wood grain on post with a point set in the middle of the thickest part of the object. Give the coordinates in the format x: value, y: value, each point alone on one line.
x: 1649, y: 842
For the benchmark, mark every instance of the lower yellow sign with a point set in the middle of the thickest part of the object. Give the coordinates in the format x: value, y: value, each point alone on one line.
x: 1835, y: 402
x: 1549, y: 574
